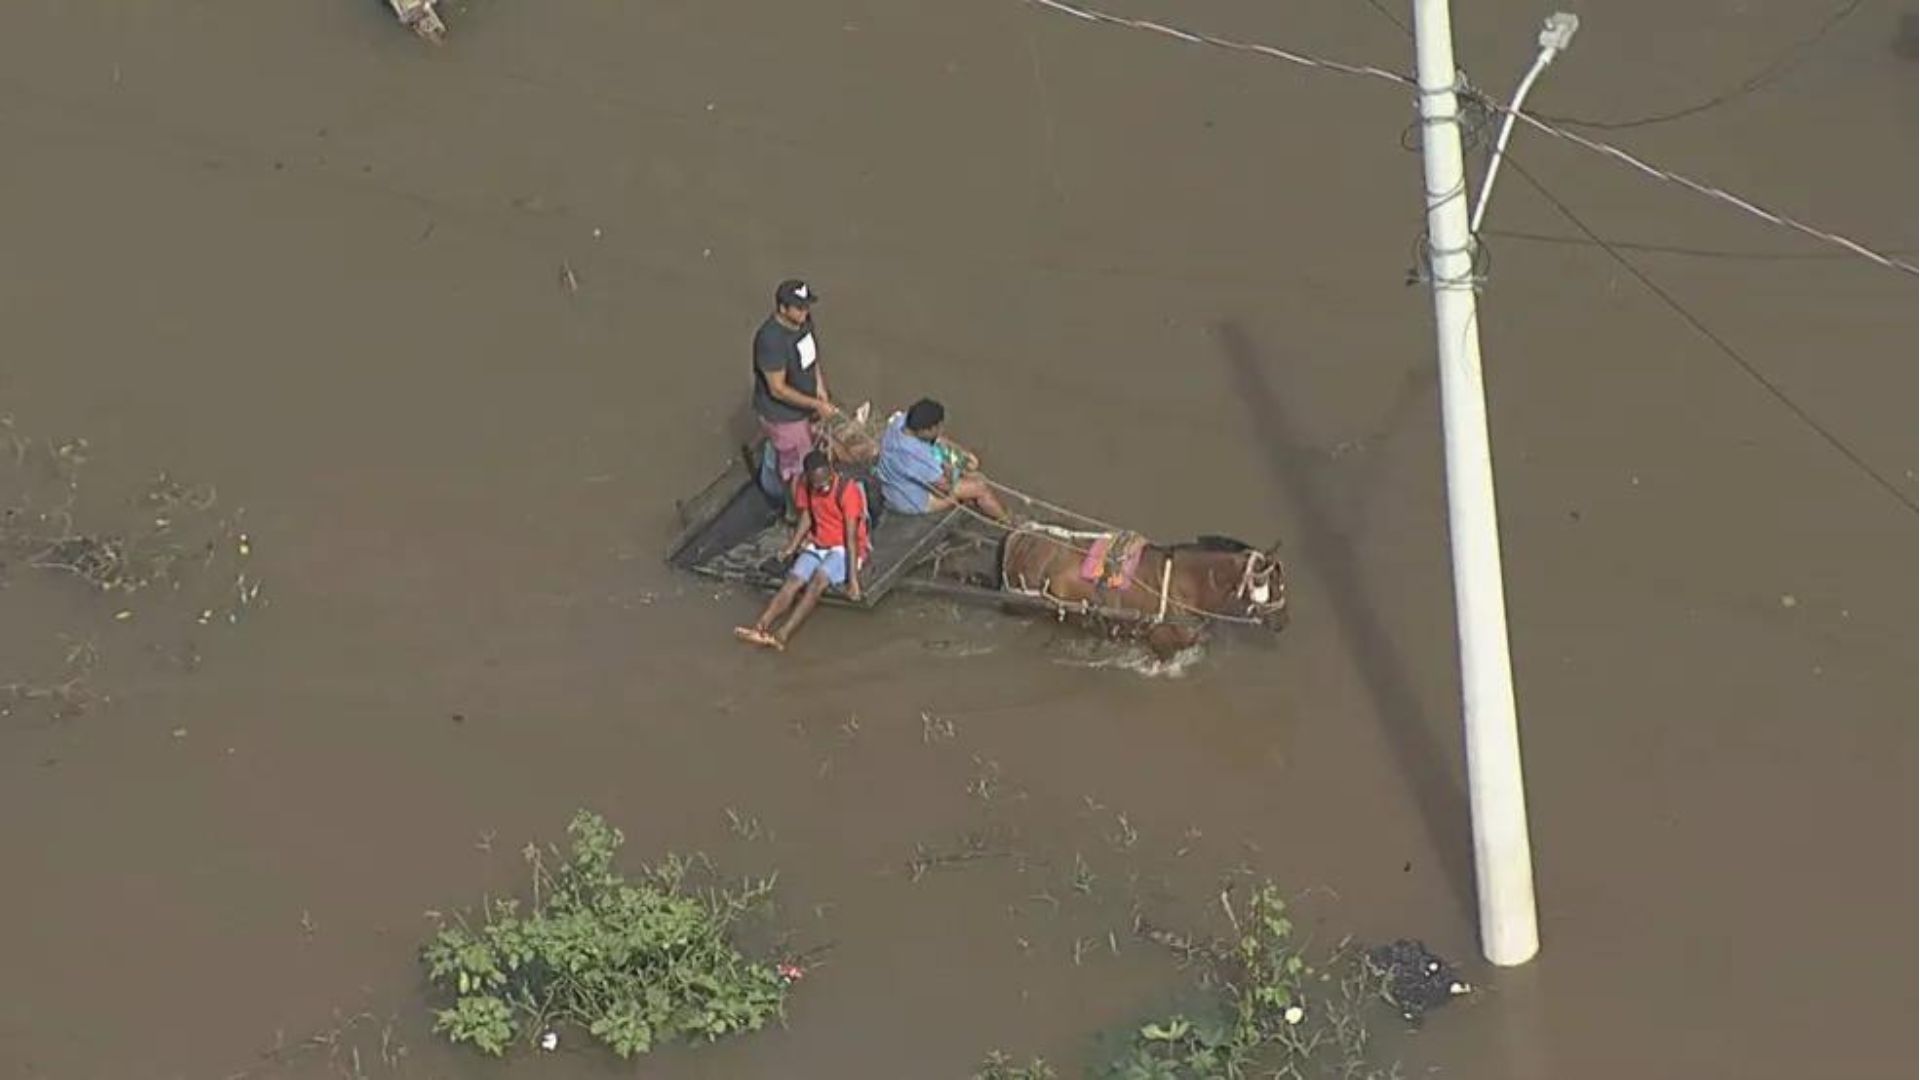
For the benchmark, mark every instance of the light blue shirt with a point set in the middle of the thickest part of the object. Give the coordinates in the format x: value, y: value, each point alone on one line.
x: 909, y: 468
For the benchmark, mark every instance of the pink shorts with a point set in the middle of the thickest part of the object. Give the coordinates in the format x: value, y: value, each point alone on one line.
x: 791, y: 440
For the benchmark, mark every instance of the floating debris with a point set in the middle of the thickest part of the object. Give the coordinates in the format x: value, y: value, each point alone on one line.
x: 167, y: 538
x: 420, y: 17
x: 1417, y: 979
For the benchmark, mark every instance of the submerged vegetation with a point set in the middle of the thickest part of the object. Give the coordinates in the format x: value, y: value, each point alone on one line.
x: 169, y: 537
x: 998, y: 1066
x: 175, y: 534
x: 633, y: 963
x: 1266, y: 1009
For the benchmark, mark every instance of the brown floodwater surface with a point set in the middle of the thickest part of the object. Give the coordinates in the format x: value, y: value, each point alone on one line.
x: 285, y: 249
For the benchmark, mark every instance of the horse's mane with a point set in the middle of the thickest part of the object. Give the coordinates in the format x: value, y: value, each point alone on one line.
x: 1210, y: 542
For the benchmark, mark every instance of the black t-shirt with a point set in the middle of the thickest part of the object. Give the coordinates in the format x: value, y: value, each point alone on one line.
x: 776, y: 348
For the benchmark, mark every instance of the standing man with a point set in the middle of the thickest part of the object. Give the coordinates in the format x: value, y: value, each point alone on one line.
x: 789, y: 389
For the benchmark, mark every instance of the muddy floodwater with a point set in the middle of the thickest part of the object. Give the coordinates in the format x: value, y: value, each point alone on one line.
x: 456, y: 327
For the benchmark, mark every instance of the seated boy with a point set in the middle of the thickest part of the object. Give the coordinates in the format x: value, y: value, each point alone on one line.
x: 831, y: 541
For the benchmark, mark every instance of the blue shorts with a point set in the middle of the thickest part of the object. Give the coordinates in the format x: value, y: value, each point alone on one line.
x: 831, y: 561
x: 908, y: 498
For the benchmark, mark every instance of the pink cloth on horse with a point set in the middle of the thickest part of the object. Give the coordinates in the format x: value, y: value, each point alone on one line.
x: 1094, y: 566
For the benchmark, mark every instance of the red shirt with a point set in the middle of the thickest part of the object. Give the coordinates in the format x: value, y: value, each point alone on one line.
x: 830, y: 513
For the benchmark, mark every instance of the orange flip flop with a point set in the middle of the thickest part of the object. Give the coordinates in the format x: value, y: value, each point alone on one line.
x: 757, y: 637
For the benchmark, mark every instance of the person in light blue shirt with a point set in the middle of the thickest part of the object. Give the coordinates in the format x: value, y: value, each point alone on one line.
x: 922, y: 472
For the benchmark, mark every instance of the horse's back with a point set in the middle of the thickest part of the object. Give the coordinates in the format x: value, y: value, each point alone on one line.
x: 1032, y: 556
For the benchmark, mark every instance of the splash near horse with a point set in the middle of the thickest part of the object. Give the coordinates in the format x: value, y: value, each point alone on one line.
x: 1167, y: 595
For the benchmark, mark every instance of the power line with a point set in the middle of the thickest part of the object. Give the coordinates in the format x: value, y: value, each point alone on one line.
x: 1788, y: 59
x: 1388, y: 15
x: 1708, y: 190
x: 1719, y: 342
x: 1193, y: 37
x: 1679, y: 249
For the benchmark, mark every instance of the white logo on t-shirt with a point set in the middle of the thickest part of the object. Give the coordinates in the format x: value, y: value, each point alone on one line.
x: 808, y: 354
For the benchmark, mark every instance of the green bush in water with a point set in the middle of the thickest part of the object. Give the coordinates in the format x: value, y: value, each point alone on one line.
x: 636, y: 964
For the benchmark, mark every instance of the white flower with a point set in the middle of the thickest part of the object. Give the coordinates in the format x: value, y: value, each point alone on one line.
x: 550, y: 1041
x: 1295, y: 1014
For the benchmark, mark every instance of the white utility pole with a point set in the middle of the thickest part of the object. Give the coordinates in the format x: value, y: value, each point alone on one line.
x: 1502, y: 851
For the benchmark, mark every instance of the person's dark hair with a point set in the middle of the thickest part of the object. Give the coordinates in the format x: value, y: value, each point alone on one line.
x: 815, y: 459
x: 925, y: 415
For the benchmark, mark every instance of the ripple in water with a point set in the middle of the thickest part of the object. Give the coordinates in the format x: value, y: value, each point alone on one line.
x: 1129, y: 656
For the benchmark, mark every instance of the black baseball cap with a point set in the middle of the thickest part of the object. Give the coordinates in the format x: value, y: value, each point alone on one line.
x: 794, y: 293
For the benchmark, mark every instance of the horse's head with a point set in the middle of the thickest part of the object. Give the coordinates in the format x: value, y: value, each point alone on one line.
x: 1259, y: 591
x: 1263, y: 588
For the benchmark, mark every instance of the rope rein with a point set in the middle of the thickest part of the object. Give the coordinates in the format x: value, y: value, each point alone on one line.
x: 1035, y: 500
x: 1072, y: 539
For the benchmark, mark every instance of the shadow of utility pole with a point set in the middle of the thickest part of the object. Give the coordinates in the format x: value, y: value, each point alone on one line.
x: 1396, y: 705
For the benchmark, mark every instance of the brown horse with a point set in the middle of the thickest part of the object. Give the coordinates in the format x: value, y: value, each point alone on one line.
x: 1166, y: 594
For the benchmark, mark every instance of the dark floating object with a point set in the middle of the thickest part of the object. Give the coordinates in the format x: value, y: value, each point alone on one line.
x: 1417, y: 979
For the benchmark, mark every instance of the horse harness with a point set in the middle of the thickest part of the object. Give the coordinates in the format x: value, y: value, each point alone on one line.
x: 1250, y: 584
x: 1115, y: 571
x: 1116, y: 575
x: 1251, y: 589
